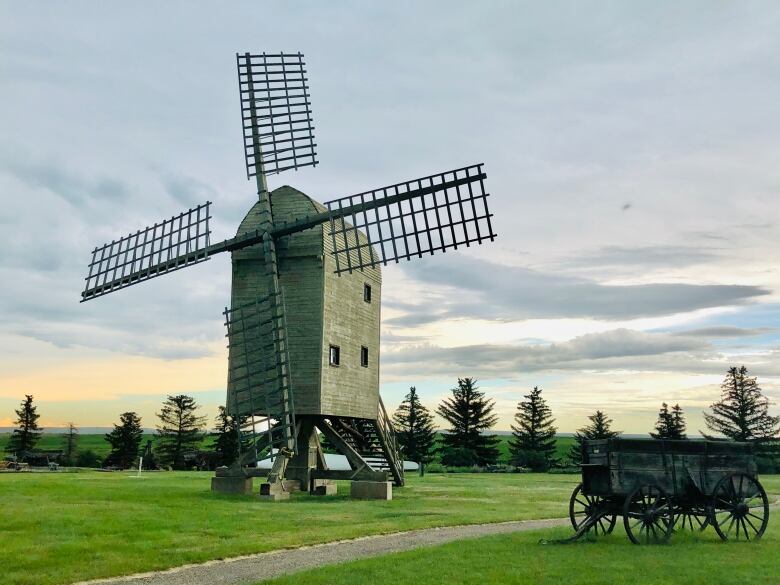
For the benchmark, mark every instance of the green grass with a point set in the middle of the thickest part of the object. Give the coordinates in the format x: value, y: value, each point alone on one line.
x: 693, y: 559
x: 63, y: 527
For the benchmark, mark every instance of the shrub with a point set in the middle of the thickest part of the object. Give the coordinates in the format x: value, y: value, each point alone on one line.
x: 434, y: 468
x: 88, y: 458
x: 458, y: 457
x: 533, y: 460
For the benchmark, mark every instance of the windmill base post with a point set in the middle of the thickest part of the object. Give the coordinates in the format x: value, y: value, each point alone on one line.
x: 371, y: 490
x: 231, y: 485
x: 309, y: 456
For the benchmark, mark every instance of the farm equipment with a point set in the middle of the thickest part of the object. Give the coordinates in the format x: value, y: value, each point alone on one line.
x: 13, y: 465
x: 660, y: 486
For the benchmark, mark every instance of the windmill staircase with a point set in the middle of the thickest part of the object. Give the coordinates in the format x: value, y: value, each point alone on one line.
x: 374, y: 441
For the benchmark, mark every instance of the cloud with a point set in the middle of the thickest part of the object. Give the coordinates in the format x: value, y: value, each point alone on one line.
x: 71, y: 187
x: 620, y: 349
x: 485, y: 290
x: 645, y: 256
x: 725, y: 332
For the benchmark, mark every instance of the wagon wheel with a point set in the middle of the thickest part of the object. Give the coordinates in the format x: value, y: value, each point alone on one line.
x: 694, y: 518
x: 583, y: 507
x: 647, y: 515
x: 739, y: 502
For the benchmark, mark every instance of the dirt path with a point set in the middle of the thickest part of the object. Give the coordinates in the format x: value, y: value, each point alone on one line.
x: 259, y: 567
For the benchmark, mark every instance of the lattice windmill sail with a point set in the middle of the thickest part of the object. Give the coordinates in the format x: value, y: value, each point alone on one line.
x: 303, y: 326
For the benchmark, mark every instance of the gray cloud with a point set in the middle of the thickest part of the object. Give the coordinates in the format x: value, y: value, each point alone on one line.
x: 621, y: 349
x: 725, y: 332
x: 645, y: 256
x: 485, y: 290
x: 70, y: 186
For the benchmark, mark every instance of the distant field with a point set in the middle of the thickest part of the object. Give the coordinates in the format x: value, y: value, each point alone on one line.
x: 91, y: 442
x: 562, y: 444
x: 98, y: 444
x: 64, y: 527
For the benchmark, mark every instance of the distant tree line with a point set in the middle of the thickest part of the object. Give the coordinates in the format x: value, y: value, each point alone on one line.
x: 180, y: 432
x: 741, y: 414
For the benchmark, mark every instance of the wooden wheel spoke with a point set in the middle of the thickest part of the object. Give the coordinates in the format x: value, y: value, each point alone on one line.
x: 746, y: 519
x: 759, y: 518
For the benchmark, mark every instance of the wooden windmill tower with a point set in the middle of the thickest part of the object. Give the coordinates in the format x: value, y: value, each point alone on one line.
x: 303, y: 326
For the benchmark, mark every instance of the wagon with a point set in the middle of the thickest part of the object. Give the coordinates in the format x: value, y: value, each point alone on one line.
x: 660, y: 486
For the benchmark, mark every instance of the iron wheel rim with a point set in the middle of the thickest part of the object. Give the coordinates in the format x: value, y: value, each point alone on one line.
x: 648, y: 515
x: 582, y: 507
x: 740, y: 508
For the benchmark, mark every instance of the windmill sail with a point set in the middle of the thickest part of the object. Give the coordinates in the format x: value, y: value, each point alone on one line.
x: 275, y: 113
x: 259, y: 389
x: 172, y: 244
x: 410, y: 219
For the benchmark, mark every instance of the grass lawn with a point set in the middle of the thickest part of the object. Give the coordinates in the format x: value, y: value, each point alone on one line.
x: 692, y: 559
x: 64, y: 527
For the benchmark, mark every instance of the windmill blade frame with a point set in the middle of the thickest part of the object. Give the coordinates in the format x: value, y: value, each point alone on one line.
x: 182, y: 240
x: 275, y: 113
x: 259, y: 375
x: 410, y: 219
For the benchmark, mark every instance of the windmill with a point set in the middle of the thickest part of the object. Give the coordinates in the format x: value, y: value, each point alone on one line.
x: 303, y: 325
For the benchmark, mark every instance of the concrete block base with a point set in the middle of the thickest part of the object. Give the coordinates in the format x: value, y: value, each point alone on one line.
x: 231, y: 485
x: 324, y: 487
x: 372, y: 490
x: 276, y: 492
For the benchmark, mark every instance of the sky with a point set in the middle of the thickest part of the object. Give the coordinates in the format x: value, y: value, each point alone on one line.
x: 631, y: 150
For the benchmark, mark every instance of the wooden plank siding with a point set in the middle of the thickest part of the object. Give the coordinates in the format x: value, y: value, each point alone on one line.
x: 321, y: 309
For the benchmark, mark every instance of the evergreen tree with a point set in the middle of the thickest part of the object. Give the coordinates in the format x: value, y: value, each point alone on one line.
x: 600, y: 427
x: 533, y: 437
x: 414, y: 428
x: 125, y: 441
x: 27, y: 433
x: 227, y: 433
x: 670, y: 423
x: 70, y: 442
x: 470, y: 414
x: 742, y: 413
x: 180, y: 430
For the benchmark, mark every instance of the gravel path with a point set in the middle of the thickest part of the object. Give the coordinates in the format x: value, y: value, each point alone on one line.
x: 259, y: 567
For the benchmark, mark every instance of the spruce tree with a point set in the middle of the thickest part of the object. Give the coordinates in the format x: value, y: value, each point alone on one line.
x: 600, y: 427
x: 469, y: 414
x: 670, y: 423
x: 414, y: 428
x: 125, y: 440
x: 180, y: 431
x: 678, y: 422
x: 227, y: 435
x: 28, y: 433
x: 70, y: 445
x: 533, y: 436
x: 742, y: 413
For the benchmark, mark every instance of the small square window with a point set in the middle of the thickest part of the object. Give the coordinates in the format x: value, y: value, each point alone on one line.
x: 364, y: 356
x: 367, y: 293
x: 334, y: 355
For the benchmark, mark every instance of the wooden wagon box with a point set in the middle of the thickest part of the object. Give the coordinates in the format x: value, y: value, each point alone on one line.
x: 617, y: 466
